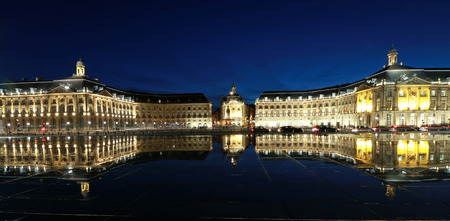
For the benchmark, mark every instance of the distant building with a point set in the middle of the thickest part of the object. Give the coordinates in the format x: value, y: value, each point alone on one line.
x: 79, y: 102
x: 234, y: 111
x: 395, y: 95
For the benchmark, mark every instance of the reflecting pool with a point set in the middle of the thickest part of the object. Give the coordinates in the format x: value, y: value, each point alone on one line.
x: 239, y: 176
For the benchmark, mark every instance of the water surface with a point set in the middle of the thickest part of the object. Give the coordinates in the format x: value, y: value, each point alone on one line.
x: 271, y: 176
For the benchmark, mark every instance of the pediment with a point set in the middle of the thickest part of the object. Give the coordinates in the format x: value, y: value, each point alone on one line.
x: 363, y: 87
x: 414, y: 80
x: 58, y: 89
x: 105, y: 93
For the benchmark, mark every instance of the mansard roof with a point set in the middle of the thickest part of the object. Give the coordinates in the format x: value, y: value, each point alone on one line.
x: 396, y: 73
x: 85, y: 84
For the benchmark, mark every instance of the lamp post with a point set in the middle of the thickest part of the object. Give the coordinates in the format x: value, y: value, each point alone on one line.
x: 89, y: 125
x: 68, y: 125
x: 28, y: 125
x: 104, y: 125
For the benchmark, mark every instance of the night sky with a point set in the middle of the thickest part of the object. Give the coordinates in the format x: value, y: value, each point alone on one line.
x: 203, y: 46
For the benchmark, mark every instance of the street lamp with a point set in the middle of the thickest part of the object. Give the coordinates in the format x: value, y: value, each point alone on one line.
x: 89, y: 123
x: 28, y: 125
x: 104, y: 125
x: 68, y: 124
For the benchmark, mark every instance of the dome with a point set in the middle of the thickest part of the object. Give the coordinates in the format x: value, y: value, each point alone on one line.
x: 80, y: 63
x: 393, y: 50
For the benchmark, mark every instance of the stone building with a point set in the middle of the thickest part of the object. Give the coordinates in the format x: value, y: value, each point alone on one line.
x: 394, y: 95
x: 234, y: 111
x: 81, y: 103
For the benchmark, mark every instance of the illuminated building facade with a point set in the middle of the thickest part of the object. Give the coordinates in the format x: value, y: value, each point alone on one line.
x: 81, y: 103
x: 234, y: 111
x: 395, y: 95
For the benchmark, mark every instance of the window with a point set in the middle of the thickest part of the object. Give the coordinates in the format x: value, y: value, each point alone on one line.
x: 423, y: 93
x: 443, y: 93
x: 389, y: 119
x: 412, y: 119
x: 433, y: 93
x: 443, y: 119
x: 401, y: 93
x: 389, y: 93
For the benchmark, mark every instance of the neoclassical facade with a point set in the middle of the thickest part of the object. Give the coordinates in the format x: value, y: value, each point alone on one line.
x: 81, y: 103
x: 395, y: 95
x: 234, y: 111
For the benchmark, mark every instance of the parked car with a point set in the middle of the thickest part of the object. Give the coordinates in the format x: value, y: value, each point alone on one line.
x: 361, y: 129
x: 396, y: 128
x: 259, y: 130
x: 323, y: 129
x: 380, y: 128
x: 290, y: 129
x: 435, y: 127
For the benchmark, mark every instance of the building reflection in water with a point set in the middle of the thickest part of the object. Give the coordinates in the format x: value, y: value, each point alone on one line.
x: 233, y: 145
x: 394, y: 159
x: 83, y: 158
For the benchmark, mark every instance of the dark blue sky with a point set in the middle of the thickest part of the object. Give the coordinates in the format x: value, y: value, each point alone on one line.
x: 203, y: 46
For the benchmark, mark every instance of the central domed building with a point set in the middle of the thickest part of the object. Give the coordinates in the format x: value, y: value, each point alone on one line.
x: 394, y: 95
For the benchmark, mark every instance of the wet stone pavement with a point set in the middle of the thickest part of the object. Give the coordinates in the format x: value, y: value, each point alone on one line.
x: 221, y: 186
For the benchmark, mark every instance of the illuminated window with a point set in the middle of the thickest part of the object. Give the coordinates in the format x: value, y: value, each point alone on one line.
x: 401, y: 93
x: 389, y: 119
x: 443, y: 93
x: 422, y: 93
x: 412, y: 119
x: 402, y: 119
x: 433, y: 93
